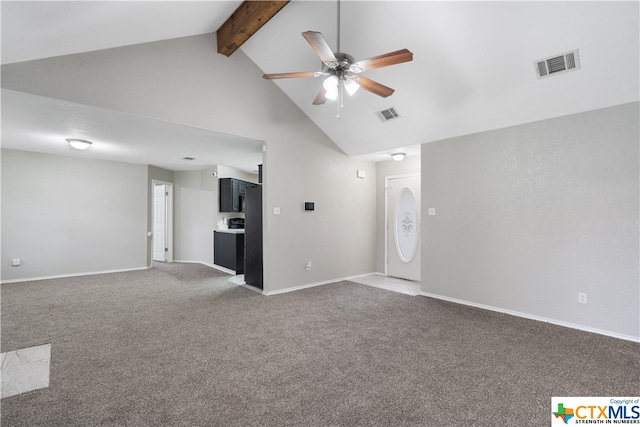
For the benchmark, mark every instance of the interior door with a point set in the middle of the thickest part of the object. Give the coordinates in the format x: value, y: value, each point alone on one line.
x: 403, y: 227
x: 159, y: 222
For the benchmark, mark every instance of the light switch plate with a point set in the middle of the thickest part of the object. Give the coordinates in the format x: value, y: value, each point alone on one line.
x: 276, y: 210
x: 431, y: 211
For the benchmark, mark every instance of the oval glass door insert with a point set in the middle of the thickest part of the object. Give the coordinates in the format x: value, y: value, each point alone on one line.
x: 406, y: 232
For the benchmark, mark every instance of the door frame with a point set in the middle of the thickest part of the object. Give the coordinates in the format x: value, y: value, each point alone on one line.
x: 168, y: 217
x: 386, y: 214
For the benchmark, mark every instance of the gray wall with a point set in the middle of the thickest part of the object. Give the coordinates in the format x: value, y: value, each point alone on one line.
x: 339, y: 236
x: 63, y: 215
x: 191, y: 84
x: 228, y: 172
x: 196, y: 211
x: 410, y: 165
x: 528, y: 216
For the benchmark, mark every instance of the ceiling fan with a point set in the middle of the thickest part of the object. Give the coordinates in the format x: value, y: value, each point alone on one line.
x: 342, y: 71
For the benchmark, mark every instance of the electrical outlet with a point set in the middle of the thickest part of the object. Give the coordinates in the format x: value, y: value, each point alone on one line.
x: 582, y: 298
x: 15, y: 262
x: 308, y: 265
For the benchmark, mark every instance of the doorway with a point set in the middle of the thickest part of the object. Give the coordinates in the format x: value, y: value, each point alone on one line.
x: 162, y: 212
x: 402, y: 231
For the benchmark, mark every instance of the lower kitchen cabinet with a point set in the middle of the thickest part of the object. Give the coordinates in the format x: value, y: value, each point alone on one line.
x: 228, y: 250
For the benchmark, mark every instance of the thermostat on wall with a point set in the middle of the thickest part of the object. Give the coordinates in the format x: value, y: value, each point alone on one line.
x: 308, y: 206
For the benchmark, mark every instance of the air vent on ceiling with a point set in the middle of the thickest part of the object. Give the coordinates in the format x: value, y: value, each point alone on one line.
x: 388, y: 114
x: 558, y: 64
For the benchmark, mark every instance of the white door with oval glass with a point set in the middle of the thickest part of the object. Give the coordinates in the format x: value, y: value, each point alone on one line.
x: 403, y: 227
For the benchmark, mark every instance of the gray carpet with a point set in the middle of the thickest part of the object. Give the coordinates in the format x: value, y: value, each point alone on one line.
x: 179, y: 345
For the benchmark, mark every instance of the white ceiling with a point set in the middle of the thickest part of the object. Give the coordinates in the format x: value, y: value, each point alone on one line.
x: 473, y: 67
x: 41, y: 29
x: 34, y: 30
x: 46, y: 123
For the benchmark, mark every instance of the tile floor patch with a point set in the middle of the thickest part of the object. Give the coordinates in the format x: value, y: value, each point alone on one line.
x: 25, y: 370
x: 238, y: 280
x: 389, y: 283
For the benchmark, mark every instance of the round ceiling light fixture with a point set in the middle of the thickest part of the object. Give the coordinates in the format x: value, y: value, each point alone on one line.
x: 398, y: 156
x: 79, y: 144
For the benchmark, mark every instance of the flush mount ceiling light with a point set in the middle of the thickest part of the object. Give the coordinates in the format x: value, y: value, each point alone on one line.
x: 398, y: 156
x: 79, y: 144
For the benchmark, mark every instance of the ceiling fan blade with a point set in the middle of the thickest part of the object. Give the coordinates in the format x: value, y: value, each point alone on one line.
x: 391, y: 58
x: 289, y: 75
x: 320, y: 98
x: 321, y: 47
x: 374, y: 87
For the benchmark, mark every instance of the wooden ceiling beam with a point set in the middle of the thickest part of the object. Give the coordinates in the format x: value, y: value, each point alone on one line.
x: 248, y: 18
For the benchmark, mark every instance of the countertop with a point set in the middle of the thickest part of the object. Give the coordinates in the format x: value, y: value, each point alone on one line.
x: 232, y: 231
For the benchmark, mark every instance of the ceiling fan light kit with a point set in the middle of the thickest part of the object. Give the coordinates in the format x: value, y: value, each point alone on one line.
x: 343, y: 71
x: 331, y: 87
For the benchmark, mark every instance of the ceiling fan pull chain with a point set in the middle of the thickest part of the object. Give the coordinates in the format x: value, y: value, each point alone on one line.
x: 339, y: 99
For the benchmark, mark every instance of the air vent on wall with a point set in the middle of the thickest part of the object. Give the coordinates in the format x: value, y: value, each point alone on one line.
x: 558, y: 64
x: 388, y: 114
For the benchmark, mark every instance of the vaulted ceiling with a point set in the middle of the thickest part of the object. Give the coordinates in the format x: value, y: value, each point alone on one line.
x: 473, y: 67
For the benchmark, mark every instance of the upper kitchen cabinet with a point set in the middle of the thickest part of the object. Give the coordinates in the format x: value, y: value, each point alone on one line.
x: 232, y: 193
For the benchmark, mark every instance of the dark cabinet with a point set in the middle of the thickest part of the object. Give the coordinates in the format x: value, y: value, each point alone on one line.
x: 232, y: 194
x: 253, y: 237
x: 228, y: 250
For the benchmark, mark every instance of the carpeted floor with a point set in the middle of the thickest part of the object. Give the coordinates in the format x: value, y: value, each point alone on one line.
x: 179, y: 345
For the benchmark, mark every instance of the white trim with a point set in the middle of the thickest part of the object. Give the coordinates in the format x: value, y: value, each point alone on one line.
x: 253, y: 288
x: 62, y: 276
x: 168, y: 218
x: 312, y: 285
x: 534, y: 317
x: 215, y: 266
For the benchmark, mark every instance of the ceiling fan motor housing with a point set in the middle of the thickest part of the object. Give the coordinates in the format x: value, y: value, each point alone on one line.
x: 344, y: 71
x: 343, y: 64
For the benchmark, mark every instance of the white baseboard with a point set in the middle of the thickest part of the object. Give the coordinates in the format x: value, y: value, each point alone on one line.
x: 217, y: 267
x: 326, y: 282
x: 312, y: 285
x: 62, y: 276
x: 254, y: 289
x: 534, y: 317
x: 471, y: 304
x: 91, y: 273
